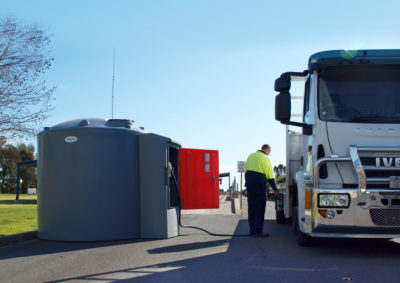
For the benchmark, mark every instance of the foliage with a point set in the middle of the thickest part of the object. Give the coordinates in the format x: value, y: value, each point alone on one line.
x: 17, y: 217
x: 279, y: 170
x: 24, y: 97
x: 10, y: 155
x: 281, y: 179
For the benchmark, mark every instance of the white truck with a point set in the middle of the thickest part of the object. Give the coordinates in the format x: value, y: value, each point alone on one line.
x: 351, y: 123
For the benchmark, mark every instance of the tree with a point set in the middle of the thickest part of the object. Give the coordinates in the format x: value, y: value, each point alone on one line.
x: 10, y: 155
x: 279, y: 170
x: 24, y: 97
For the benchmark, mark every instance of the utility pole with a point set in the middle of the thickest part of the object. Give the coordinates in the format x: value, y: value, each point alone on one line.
x: 112, y: 91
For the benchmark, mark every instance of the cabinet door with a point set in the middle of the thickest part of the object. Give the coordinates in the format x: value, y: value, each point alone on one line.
x: 199, y: 178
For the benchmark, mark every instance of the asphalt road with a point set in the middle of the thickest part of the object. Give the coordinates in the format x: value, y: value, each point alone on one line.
x: 197, y: 257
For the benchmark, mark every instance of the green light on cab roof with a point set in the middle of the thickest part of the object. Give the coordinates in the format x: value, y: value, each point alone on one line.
x: 348, y: 54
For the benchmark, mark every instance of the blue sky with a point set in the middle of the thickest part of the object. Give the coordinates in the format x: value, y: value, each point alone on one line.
x: 201, y: 72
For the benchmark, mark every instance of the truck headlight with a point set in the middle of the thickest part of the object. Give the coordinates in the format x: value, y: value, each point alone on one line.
x: 333, y: 200
x: 326, y: 200
x: 342, y: 200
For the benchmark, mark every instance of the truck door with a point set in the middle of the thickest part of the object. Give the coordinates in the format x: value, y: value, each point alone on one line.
x: 199, y: 182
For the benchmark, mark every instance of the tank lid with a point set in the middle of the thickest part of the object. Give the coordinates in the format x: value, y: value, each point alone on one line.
x: 120, y: 123
x: 94, y: 123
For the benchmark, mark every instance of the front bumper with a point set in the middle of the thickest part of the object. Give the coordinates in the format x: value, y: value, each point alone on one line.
x: 379, y: 217
x: 373, y: 212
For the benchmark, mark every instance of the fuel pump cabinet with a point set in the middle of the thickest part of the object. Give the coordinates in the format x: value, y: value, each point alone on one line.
x: 102, y: 179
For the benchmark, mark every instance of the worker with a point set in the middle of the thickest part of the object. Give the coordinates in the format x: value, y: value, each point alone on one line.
x: 309, y: 161
x: 258, y: 171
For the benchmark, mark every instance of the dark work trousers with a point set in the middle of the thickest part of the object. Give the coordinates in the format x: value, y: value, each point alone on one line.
x: 256, y: 201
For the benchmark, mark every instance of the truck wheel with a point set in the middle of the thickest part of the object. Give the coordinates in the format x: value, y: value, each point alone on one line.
x: 301, y: 238
x: 280, y: 217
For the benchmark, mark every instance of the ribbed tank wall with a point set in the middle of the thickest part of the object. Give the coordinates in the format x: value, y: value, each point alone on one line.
x: 88, y: 184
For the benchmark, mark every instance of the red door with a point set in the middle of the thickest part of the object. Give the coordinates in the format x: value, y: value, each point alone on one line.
x: 199, y: 178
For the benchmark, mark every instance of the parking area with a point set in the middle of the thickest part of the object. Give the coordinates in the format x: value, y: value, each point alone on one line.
x: 195, y: 256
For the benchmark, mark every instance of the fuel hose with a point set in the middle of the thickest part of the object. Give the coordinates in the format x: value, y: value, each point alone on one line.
x: 170, y: 169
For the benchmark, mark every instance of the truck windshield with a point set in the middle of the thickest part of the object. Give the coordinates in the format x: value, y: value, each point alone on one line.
x: 359, y: 94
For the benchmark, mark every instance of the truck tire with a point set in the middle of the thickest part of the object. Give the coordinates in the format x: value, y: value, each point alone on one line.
x: 301, y: 238
x: 280, y: 217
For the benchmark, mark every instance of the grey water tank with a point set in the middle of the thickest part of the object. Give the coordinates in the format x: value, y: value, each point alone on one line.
x: 88, y: 181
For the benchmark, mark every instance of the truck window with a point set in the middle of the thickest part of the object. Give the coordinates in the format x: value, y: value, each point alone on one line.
x: 306, y: 99
x: 359, y: 94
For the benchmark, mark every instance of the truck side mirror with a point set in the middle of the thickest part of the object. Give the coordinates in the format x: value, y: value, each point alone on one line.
x: 282, y: 84
x: 282, y: 107
x: 282, y: 100
x: 307, y: 130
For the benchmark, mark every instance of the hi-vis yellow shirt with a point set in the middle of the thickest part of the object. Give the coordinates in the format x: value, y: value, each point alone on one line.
x: 259, y: 162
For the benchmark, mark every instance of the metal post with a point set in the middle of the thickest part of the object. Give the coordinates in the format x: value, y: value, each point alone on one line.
x: 18, y: 169
x: 229, y: 185
x: 241, y: 190
x: 237, y: 189
x: 17, y: 196
x: 233, y: 187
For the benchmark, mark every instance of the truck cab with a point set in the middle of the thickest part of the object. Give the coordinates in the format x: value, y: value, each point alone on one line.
x: 350, y: 134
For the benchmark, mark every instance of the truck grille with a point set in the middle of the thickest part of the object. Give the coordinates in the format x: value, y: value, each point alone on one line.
x: 385, y: 217
x: 390, y: 194
x: 371, y: 171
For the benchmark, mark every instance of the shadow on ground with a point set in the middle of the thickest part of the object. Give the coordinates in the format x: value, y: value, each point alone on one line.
x: 25, y: 201
x: 278, y: 259
x: 188, y: 247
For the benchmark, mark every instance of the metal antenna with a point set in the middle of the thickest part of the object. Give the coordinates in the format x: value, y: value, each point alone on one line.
x: 112, y: 92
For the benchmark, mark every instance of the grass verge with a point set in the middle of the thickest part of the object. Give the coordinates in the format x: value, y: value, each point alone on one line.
x: 17, y: 217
